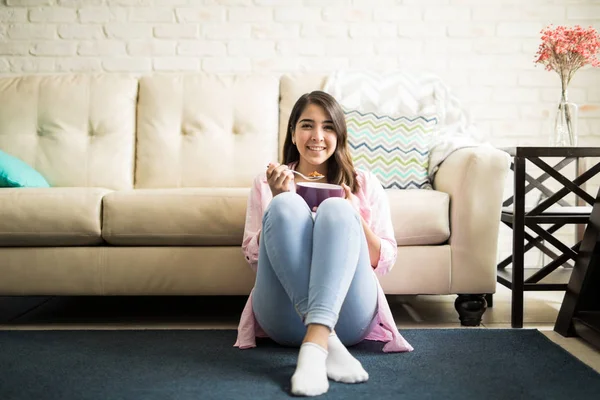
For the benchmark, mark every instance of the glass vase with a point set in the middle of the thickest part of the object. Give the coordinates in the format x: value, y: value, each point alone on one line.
x: 565, y: 123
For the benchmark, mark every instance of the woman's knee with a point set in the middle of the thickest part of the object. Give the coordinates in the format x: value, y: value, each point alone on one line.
x: 337, y: 208
x: 286, y: 205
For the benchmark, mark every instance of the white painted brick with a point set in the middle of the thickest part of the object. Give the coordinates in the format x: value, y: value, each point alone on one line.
x: 399, y: 13
x: 519, y: 29
x: 227, y: 2
x: 176, y: 64
x: 493, y: 45
x: 539, y: 111
x: 546, y: 12
x: 334, y: 3
x: 149, y: 48
x: 94, y: 14
x: 484, y: 12
x: 586, y: 12
x: 201, y: 48
x: 426, y: 2
x: 471, y: 30
x: 250, y: 14
x: 288, y: 3
x: 538, y: 77
x: 14, y: 48
x: 202, y: 14
x: 495, y: 111
x: 470, y: 94
x: 80, y: 3
x: 52, y: 14
x: 29, y: 2
x: 102, y: 48
x: 317, y: 64
x: 400, y: 47
x: 594, y: 95
x: 128, y: 31
x: 516, y: 127
x: 251, y: 48
x: 448, y: 46
x: 420, y: 30
x: 301, y: 48
x: 373, y: 30
x: 74, y: 31
x: 447, y: 13
x: 277, y: 64
x: 54, y: 48
x: 152, y: 14
x: 577, y: 96
x: 78, y: 64
x: 172, y: 3
x: 133, y: 3
x: 355, y: 47
x: 226, y: 31
x: 127, y: 64
x: 515, y: 61
x: 176, y: 31
x: 13, y: 15
x: 297, y: 14
x: 498, y: 78
x: 31, y: 31
x: 515, y: 95
x: 324, y: 30
x: 275, y: 31
x: 589, y: 110
x: 226, y: 64
x: 32, y: 64
x: 376, y: 63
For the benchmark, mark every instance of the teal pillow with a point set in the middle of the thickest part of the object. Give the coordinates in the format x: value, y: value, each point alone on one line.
x: 16, y: 173
x: 394, y: 149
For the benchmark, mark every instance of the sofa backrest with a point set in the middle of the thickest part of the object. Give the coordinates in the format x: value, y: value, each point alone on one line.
x: 76, y: 130
x: 204, y: 130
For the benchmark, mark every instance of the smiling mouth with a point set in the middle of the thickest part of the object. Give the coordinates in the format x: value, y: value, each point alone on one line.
x: 315, y: 148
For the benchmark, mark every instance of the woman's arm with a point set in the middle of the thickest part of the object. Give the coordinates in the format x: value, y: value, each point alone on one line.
x: 374, y: 243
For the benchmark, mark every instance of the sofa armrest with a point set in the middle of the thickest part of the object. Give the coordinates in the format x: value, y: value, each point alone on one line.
x: 474, y: 178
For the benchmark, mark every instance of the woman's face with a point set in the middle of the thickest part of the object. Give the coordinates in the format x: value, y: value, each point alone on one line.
x: 314, y: 136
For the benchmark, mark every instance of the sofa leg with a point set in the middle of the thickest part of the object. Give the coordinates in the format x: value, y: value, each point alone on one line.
x: 489, y: 298
x: 470, y: 308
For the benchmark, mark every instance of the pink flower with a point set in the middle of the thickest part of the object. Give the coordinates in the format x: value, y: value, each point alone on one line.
x: 565, y: 50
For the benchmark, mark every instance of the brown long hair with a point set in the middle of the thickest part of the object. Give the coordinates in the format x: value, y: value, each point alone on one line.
x: 340, y: 168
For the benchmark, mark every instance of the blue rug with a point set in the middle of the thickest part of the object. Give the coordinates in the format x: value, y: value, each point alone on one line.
x: 193, y: 364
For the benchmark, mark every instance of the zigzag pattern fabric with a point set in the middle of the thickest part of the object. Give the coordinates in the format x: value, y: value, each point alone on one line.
x: 395, y: 149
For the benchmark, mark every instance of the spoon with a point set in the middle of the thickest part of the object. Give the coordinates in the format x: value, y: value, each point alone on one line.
x: 308, y: 178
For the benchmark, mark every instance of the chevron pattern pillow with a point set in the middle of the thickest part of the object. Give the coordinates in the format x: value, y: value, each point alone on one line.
x: 395, y: 149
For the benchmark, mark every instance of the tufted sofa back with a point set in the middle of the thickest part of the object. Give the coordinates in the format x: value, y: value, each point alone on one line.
x: 76, y: 130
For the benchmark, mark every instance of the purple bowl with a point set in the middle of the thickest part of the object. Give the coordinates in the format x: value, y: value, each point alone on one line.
x: 314, y: 192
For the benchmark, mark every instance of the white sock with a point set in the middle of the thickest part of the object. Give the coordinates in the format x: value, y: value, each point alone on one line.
x: 310, y: 378
x: 341, y: 365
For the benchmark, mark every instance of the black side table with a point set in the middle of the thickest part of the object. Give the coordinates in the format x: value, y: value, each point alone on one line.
x: 579, y: 313
x: 553, y: 210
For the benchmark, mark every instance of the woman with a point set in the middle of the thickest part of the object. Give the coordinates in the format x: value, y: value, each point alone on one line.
x: 316, y: 285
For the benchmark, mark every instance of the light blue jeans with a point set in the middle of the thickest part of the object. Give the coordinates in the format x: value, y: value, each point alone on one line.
x: 313, y: 271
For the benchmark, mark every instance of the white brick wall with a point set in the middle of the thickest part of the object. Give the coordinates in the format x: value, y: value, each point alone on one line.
x: 483, y: 49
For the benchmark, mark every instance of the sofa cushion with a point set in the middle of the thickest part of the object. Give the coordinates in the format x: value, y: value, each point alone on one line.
x: 395, y: 149
x: 50, y: 216
x: 420, y: 216
x: 76, y: 130
x: 176, y: 217
x: 194, y: 123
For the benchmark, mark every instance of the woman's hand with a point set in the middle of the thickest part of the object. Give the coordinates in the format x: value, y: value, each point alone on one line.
x: 351, y: 197
x: 279, y: 178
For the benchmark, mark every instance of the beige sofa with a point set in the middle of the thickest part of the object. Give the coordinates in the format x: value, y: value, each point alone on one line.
x: 150, y: 179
